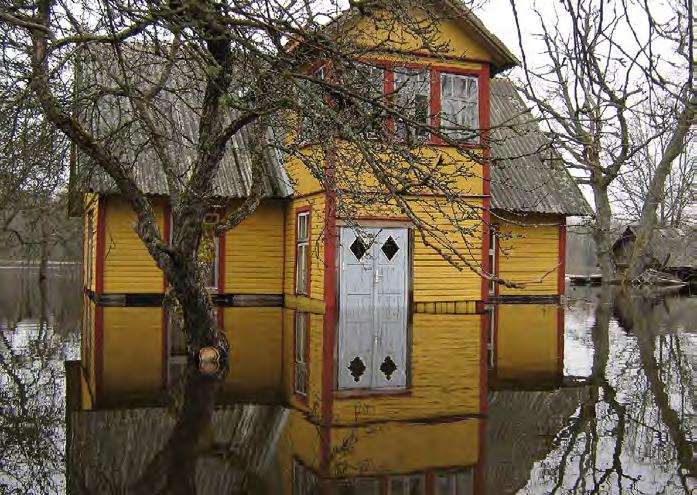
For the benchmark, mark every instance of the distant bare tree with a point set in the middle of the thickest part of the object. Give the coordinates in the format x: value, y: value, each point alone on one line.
x: 603, y: 61
x: 677, y: 207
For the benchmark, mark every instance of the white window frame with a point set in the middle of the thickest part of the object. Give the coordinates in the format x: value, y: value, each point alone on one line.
x: 406, y: 98
x: 467, y: 115
x: 302, y: 242
x: 493, y: 254
x: 300, y: 353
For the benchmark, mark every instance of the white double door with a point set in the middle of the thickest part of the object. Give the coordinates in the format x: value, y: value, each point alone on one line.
x: 373, y: 292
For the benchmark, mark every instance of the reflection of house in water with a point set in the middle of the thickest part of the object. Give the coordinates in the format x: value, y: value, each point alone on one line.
x: 278, y: 410
x: 529, y: 403
x: 526, y: 345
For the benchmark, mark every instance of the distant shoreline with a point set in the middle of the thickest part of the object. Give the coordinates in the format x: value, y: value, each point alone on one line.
x: 13, y: 264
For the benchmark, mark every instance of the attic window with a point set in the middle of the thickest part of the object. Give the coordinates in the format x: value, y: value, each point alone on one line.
x: 413, y: 96
x: 460, y: 107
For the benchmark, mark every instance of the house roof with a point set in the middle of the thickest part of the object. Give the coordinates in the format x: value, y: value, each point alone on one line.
x: 527, y: 175
x: 669, y: 246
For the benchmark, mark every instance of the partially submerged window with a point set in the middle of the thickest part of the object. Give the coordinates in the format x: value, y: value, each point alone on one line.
x: 304, y: 481
x: 413, y: 99
x: 408, y: 485
x: 460, y: 483
x: 302, y: 253
x: 459, y: 99
x: 302, y: 321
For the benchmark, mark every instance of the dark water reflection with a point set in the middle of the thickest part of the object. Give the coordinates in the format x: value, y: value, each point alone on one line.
x: 595, y: 397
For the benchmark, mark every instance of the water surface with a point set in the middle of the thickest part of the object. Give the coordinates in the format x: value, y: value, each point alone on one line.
x: 594, y: 396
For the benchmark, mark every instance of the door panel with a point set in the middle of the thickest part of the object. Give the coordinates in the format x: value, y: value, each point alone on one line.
x: 373, y: 308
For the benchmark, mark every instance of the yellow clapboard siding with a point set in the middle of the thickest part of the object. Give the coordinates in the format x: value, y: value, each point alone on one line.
x: 128, y: 267
x: 254, y: 252
x: 527, y: 343
x: 456, y: 39
x: 529, y: 254
x: 132, y: 353
x: 255, y: 336
x: 444, y: 349
x: 406, y: 448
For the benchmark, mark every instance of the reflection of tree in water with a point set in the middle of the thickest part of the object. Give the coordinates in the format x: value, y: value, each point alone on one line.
x: 32, y: 412
x: 631, y: 434
x: 193, y: 446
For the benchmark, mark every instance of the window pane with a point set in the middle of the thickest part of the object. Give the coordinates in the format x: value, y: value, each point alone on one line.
x: 301, y: 267
x: 303, y: 223
x: 413, y: 91
x: 300, y: 336
x: 460, y: 106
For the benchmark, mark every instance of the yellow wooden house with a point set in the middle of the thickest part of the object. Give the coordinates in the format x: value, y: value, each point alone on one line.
x: 372, y: 296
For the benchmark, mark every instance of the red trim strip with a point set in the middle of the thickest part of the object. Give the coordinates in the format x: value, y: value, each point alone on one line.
x: 166, y: 234
x: 98, y: 351
x: 560, y: 340
x: 479, y: 468
x: 330, y: 279
x: 435, y: 104
x: 483, y: 362
x: 101, y: 237
x: 561, y: 280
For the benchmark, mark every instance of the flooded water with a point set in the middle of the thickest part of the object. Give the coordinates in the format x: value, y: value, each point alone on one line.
x: 594, y: 396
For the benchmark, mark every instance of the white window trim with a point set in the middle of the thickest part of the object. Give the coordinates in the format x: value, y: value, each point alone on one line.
x: 298, y: 243
x: 449, y: 130
x: 302, y: 320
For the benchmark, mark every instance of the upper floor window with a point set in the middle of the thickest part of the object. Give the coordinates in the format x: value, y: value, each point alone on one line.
x: 302, y: 253
x: 460, y: 107
x: 413, y: 100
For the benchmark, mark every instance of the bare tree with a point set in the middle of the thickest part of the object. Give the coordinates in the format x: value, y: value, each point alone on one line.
x: 602, y: 63
x: 676, y: 206
x: 171, y: 83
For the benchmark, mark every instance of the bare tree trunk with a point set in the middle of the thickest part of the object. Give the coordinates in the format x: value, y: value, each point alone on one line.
x: 43, y: 253
x: 601, y: 231
x: 648, y: 219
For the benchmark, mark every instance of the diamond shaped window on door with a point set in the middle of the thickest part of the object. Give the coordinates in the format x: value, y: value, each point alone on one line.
x: 358, y: 248
x: 390, y: 248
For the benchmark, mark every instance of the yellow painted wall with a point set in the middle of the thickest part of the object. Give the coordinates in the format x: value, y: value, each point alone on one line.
x: 255, y: 361
x: 128, y: 267
x: 373, y: 31
x: 254, y: 252
x: 529, y: 254
x: 400, y: 448
x: 132, y: 353
x: 434, y: 278
x: 527, y: 341
x: 317, y: 225
x: 299, y: 172
x: 450, y: 167
x: 444, y: 374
